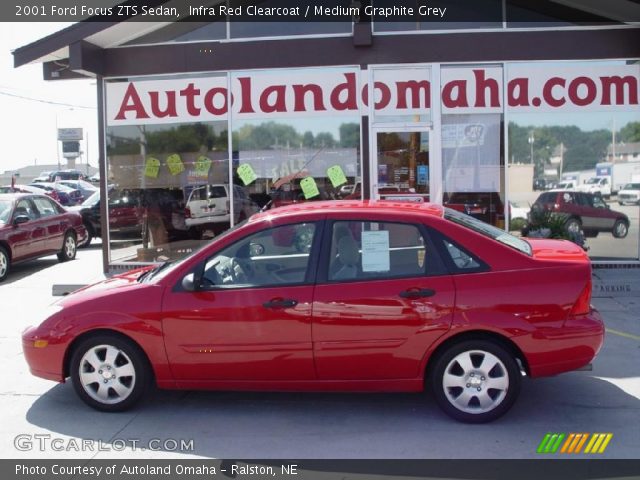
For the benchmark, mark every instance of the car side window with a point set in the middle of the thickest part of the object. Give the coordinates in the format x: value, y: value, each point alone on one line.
x: 25, y: 207
x: 273, y: 257
x: 457, y: 258
x: 362, y: 250
x: 45, y: 207
x: 598, y: 202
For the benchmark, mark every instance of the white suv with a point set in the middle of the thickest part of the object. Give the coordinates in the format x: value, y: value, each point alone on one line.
x: 209, y: 205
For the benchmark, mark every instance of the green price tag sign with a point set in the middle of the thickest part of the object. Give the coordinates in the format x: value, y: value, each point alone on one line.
x: 309, y: 187
x: 246, y: 173
x: 203, y: 164
x: 151, y: 167
x: 336, y: 175
x: 174, y: 162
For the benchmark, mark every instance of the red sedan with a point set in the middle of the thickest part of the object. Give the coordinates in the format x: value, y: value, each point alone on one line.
x: 333, y: 296
x: 33, y: 226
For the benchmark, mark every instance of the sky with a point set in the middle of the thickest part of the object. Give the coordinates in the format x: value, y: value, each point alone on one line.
x: 28, y: 133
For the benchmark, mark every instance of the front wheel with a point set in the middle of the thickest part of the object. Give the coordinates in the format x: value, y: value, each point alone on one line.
x: 573, y: 225
x: 475, y: 381
x: 69, y: 248
x: 5, y: 263
x: 620, y: 229
x: 109, y: 373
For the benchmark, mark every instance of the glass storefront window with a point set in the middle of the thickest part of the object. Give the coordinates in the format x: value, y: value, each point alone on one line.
x: 575, y: 160
x: 401, y: 94
x: 284, y: 159
x: 157, y: 176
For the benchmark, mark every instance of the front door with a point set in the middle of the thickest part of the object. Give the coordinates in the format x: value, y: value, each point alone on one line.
x: 402, y: 165
x: 251, y: 321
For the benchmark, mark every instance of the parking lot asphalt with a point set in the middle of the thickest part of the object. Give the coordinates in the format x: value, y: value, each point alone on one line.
x: 41, y: 419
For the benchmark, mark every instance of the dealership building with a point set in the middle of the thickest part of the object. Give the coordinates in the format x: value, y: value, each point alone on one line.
x: 202, y: 124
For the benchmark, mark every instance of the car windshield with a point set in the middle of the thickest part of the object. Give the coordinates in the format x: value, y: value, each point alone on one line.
x: 591, y: 181
x: 632, y: 186
x: 487, y: 230
x: 5, y: 210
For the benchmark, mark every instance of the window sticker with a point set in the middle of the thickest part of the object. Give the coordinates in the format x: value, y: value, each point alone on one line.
x: 151, y: 167
x: 336, y: 175
x: 174, y: 162
x: 246, y: 173
x: 375, y: 251
x: 203, y: 164
x: 309, y: 187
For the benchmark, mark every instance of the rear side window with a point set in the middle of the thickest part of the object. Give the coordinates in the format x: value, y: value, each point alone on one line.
x: 362, y: 250
x: 217, y: 192
x: 45, y: 207
x: 548, y: 197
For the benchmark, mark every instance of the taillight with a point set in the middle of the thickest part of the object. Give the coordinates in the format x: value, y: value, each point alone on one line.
x: 228, y: 206
x: 187, y: 212
x: 583, y: 304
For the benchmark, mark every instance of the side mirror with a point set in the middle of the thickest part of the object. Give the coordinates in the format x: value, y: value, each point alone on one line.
x: 20, y: 219
x: 188, y: 283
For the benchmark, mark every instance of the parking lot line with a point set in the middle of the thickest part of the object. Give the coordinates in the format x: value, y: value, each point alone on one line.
x: 623, y: 334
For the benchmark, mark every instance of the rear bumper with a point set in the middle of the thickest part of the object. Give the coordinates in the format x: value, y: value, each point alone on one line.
x: 559, y: 350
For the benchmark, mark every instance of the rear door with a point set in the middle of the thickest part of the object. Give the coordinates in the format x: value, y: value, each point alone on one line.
x: 53, y: 221
x: 381, y: 299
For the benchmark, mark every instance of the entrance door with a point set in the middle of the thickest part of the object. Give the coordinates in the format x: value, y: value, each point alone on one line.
x: 402, y: 165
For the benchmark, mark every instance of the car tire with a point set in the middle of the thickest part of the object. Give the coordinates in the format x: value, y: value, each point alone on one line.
x: 90, y: 235
x: 620, y: 229
x: 573, y: 224
x: 118, y: 366
x: 5, y: 263
x: 69, y: 247
x: 475, y: 381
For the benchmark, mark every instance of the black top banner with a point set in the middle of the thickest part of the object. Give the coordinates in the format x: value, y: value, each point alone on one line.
x: 488, y: 13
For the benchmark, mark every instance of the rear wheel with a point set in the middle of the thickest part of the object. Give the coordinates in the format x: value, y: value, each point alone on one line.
x: 475, y: 381
x: 69, y: 248
x: 573, y: 225
x: 5, y: 263
x: 109, y: 373
x: 620, y: 229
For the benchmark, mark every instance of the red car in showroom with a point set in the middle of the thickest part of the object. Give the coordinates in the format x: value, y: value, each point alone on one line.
x: 333, y: 296
x: 33, y: 226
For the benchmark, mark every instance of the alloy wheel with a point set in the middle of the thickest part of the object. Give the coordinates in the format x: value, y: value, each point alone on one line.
x: 107, y: 374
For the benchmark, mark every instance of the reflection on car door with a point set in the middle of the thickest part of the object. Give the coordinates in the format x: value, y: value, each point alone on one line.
x: 382, y: 299
x: 252, y: 319
x: 52, y: 221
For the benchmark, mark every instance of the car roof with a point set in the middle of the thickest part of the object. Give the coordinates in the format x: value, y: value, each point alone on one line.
x: 15, y: 195
x: 341, y: 206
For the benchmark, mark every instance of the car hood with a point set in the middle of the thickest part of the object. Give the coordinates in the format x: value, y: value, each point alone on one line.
x: 562, y: 250
x: 118, y: 283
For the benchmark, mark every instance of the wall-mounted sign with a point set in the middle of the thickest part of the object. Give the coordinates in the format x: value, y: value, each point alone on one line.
x: 339, y: 92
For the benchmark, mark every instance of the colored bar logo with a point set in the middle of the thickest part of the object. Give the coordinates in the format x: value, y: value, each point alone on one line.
x: 574, y: 443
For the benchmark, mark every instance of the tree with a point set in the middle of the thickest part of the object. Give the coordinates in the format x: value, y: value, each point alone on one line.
x: 349, y: 135
x: 630, y: 133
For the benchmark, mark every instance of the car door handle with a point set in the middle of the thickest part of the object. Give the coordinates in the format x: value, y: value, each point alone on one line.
x: 280, y: 303
x: 418, y: 293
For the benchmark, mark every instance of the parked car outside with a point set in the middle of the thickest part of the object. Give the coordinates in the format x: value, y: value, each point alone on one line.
x: 33, y: 226
x: 67, y: 196
x: 30, y: 189
x: 630, y: 194
x: 85, y: 188
x: 208, y: 206
x: 539, y: 184
x: 43, y: 177
x: 518, y: 211
x: 485, y: 206
x: 344, y: 296
x: 66, y: 175
x: 584, y: 212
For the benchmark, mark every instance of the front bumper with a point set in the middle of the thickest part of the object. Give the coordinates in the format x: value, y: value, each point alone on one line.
x: 44, y: 361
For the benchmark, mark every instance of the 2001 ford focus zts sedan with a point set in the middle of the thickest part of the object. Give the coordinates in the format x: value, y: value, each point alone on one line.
x: 333, y: 296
